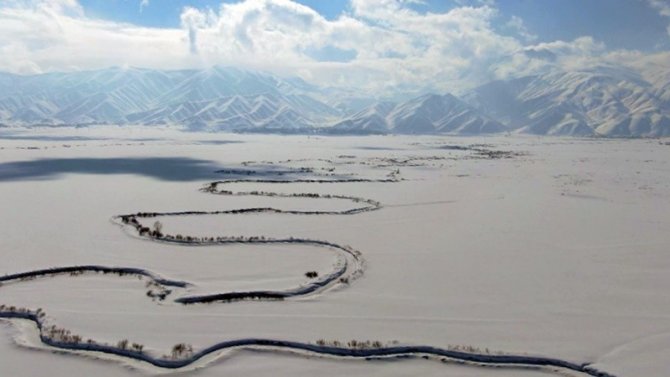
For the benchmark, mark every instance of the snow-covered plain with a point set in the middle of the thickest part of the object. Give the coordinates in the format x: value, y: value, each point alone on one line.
x: 560, y: 250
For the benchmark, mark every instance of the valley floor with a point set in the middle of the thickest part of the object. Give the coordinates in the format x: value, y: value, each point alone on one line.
x: 552, y: 247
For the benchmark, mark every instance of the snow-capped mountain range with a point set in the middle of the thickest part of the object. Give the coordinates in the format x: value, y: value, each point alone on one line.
x: 427, y: 114
x: 604, y: 102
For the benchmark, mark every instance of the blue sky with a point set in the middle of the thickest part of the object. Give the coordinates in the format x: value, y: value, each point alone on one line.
x: 165, y: 13
x: 372, y: 45
x: 630, y: 24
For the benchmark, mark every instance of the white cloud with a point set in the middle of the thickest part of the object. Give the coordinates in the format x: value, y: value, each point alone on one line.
x: 516, y: 23
x: 143, y: 4
x: 663, y: 8
x: 394, y: 47
x: 192, y: 19
x: 50, y: 35
x: 475, y: 2
x: 580, y: 47
x: 583, y: 52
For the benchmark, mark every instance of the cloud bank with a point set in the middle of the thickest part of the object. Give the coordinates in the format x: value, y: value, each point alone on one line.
x: 377, y: 46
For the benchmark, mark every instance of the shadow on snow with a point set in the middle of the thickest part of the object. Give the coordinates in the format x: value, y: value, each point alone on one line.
x: 161, y: 168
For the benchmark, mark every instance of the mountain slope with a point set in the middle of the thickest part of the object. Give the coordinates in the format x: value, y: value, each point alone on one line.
x: 604, y: 101
x: 427, y: 114
x: 369, y: 120
x: 235, y: 113
x: 191, y: 98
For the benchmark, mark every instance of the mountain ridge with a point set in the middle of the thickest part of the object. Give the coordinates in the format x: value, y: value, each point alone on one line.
x: 603, y: 101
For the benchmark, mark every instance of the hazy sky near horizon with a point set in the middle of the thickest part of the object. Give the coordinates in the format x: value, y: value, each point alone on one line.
x: 374, y: 45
